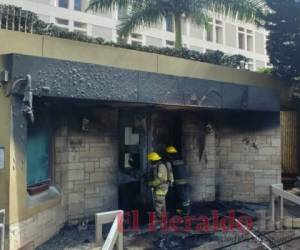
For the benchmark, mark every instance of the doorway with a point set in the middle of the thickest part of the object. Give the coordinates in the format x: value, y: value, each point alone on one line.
x: 142, y: 132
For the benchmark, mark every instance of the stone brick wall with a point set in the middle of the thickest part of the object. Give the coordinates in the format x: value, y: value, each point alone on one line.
x: 199, y: 150
x: 249, y: 156
x: 238, y: 159
x: 37, y: 229
x: 86, y: 163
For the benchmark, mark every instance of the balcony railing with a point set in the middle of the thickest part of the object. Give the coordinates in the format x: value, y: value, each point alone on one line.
x: 16, y: 19
x: 277, y: 191
x: 115, y: 236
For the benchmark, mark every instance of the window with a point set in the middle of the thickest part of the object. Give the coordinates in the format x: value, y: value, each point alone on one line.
x: 63, y: 3
x: 170, y: 43
x: 250, y: 64
x: 80, y: 25
x: 78, y: 5
x: 250, y: 40
x: 130, y: 144
x: 38, y: 153
x: 245, y: 38
x: 241, y: 38
x: 61, y: 21
x: 184, y: 26
x: 136, y: 36
x: 169, y: 24
x: 136, y: 43
x: 136, y: 39
x: 219, y: 31
x: 130, y: 137
x: 209, y: 33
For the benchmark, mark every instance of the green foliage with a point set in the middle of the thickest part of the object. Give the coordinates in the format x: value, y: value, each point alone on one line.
x: 214, y: 57
x: 267, y: 71
x: 13, y: 17
x: 148, y: 12
x: 29, y: 22
x: 283, y: 45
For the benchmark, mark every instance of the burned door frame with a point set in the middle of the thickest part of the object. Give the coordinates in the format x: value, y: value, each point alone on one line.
x: 148, y: 124
x: 158, y: 120
x: 131, y: 178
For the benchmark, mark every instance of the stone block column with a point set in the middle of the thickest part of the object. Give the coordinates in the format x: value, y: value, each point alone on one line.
x: 86, y: 164
x: 199, y: 154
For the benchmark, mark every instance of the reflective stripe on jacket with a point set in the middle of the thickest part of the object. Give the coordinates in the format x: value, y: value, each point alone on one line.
x: 181, y: 182
x: 161, y: 192
x: 160, y: 180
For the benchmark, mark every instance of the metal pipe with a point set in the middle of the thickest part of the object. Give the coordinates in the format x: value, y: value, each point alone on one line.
x: 241, y: 241
x: 27, y: 98
x: 259, y: 240
x: 10, y: 89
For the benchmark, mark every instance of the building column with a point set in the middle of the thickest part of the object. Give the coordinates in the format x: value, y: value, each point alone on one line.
x: 199, y: 154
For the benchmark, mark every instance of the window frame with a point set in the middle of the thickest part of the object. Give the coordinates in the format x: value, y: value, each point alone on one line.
x: 241, y: 32
x: 136, y: 39
x: 61, y: 24
x: 44, y: 184
x: 209, y: 34
x: 219, y: 25
x: 170, y: 44
x: 75, y: 5
x: 170, y: 23
x: 65, y: 7
x: 246, y: 33
x: 250, y: 34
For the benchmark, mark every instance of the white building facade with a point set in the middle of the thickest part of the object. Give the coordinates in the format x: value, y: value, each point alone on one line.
x: 227, y: 35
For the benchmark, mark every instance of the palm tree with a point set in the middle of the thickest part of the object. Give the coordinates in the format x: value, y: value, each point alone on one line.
x: 149, y: 12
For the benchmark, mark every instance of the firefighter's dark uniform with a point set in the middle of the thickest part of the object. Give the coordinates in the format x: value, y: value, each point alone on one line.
x: 181, y: 186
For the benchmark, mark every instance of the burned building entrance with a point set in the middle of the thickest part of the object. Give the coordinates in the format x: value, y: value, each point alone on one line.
x: 140, y: 133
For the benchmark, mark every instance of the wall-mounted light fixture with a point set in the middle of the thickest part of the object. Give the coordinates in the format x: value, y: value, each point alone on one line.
x: 4, y: 77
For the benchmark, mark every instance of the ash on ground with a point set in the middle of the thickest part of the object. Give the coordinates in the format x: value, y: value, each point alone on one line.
x: 71, y: 238
x: 83, y: 238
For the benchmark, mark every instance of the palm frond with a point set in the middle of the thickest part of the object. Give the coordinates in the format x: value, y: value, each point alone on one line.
x: 147, y: 14
x: 200, y: 17
x: 102, y: 5
x: 245, y: 10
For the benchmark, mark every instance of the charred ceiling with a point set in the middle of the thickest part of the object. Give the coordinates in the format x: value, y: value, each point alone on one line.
x: 66, y: 79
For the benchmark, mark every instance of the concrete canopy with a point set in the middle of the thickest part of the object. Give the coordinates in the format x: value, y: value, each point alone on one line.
x: 84, y: 81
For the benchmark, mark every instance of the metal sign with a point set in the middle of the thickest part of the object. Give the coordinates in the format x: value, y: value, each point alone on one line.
x: 1, y: 157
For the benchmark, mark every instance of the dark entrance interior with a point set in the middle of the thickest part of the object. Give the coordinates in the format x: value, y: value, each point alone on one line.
x: 140, y: 133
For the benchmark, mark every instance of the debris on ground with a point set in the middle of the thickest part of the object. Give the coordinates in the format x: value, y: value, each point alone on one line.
x: 81, y: 237
x: 71, y: 238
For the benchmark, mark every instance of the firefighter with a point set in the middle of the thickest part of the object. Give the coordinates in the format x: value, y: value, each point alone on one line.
x: 182, y: 193
x: 160, y: 181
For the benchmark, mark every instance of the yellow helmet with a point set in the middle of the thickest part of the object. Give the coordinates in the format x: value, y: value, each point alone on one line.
x: 153, y: 156
x: 171, y: 150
